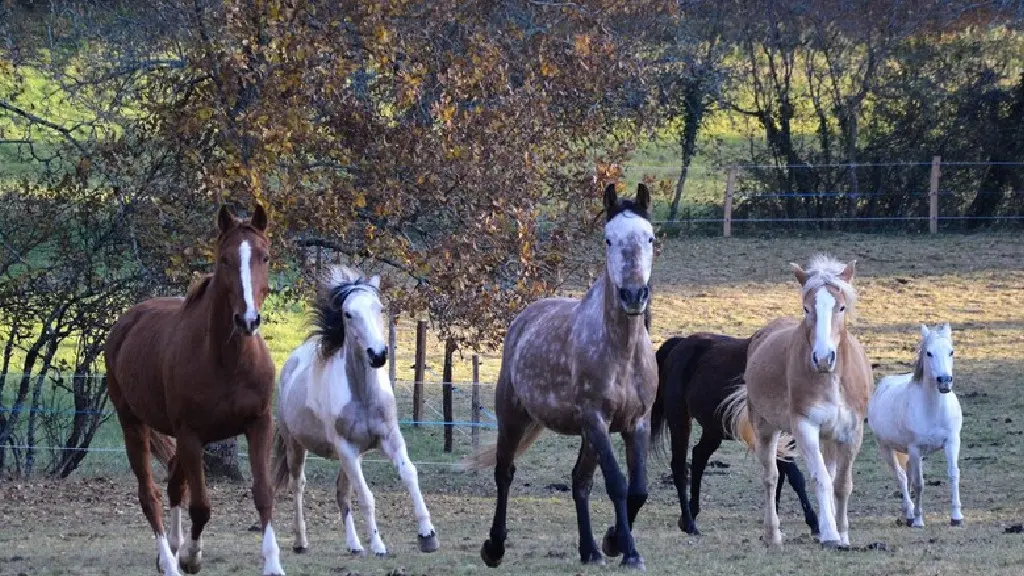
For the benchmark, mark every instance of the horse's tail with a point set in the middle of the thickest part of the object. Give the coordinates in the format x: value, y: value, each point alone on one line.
x: 280, y: 474
x: 162, y: 447
x: 487, y: 456
x: 736, y: 419
x: 665, y: 380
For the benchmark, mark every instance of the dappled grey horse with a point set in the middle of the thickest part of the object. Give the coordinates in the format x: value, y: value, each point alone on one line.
x: 584, y: 368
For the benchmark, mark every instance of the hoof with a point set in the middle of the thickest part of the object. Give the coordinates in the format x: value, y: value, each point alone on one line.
x: 830, y: 544
x: 689, y: 529
x: 909, y: 523
x: 594, y: 559
x: 490, y: 555
x: 956, y: 523
x: 634, y: 563
x: 429, y: 543
x: 380, y: 554
x: 300, y: 549
x: 610, y: 544
x: 357, y: 551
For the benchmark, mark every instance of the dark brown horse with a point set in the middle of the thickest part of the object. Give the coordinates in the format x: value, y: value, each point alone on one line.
x: 584, y: 367
x: 696, y: 374
x: 197, y: 369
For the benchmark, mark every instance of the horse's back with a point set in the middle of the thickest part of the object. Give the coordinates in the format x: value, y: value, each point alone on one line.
x: 718, y: 372
x: 887, y: 408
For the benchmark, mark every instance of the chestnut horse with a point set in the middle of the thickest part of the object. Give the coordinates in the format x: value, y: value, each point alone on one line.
x: 696, y: 374
x: 811, y: 379
x: 198, y: 370
x: 584, y: 368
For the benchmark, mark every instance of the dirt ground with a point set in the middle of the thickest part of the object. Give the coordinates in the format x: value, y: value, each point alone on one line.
x: 92, y: 525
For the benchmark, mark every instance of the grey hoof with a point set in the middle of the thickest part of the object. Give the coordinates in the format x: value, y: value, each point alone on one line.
x: 357, y: 552
x: 956, y: 523
x: 634, y: 563
x: 300, y: 549
x: 429, y: 543
x: 380, y: 554
x: 830, y: 544
x: 910, y: 522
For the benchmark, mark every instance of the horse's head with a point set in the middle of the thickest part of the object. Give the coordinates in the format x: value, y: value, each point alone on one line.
x: 935, y: 358
x: 629, y: 247
x: 350, y: 307
x: 243, y: 265
x: 828, y: 299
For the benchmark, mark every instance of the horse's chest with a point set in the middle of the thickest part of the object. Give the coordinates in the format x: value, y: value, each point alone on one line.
x: 835, y: 420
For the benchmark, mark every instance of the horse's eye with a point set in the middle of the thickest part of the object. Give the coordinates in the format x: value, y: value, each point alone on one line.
x: 842, y: 308
x: 266, y: 258
x: 950, y: 353
x: 349, y: 316
x: 608, y: 241
x: 929, y: 354
x: 806, y: 310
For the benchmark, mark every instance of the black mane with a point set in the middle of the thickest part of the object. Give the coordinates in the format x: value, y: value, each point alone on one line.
x: 626, y: 205
x: 329, y: 315
x: 613, y: 205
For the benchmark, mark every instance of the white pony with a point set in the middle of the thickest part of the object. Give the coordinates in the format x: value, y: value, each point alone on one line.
x: 917, y: 414
x: 336, y: 401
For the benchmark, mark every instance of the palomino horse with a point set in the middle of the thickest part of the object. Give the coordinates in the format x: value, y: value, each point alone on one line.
x: 336, y: 401
x: 811, y: 379
x: 916, y: 414
x: 696, y: 374
x: 584, y: 368
x: 197, y: 369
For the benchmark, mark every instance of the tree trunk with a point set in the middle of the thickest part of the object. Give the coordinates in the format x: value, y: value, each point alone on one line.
x: 221, y: 460
x: 693, y: 115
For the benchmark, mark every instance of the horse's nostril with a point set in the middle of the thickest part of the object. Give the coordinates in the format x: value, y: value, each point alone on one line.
x: 814, y: 357
x: 258, y: 321
x: 624, y: 294
x: 832, y: 357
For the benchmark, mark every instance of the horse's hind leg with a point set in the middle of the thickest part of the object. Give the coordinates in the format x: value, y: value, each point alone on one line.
x: 394, y: 448
x: 788, y: 469
x: 260, y: 436
x: 766, y: 445
x: 344, y: 496
x: 619, y: 538
x: 889, y: 457
x: 680, y: 434
x: 136, y: 441
x: 295, y: 454
x: 710, y: 440
x: 846, y: 453
x: 511, y: 430
x: 176, y: 491
x: 582, y: 483
x: 952, y: 449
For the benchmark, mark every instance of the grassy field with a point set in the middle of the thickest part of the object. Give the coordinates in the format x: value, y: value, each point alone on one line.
x: 91, y: 524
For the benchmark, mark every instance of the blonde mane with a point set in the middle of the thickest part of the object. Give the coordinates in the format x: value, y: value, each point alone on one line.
x: 824, y: 270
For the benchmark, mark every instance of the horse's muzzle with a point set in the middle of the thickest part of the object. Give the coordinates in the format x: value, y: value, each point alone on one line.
x: 248, y: 326
x: 634, y: 299
x: 377, y: 359
x: 825, y: 363
x: 944, y: 384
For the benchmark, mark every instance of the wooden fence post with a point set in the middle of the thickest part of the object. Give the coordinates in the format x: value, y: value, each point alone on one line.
x: 446, y: 394
x: 419, y: 372
x: 933, y: 196
x: 392, y: 347
x: 475, y: 408
x: 730, y: 188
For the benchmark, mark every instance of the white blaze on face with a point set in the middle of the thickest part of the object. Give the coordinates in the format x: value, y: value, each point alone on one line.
x: 824, y: 303
x: 363, y: 311
x: 624, y: 234
x: 245, y: 272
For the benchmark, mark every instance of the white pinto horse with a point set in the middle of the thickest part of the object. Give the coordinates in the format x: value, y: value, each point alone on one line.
x: 917, y: 414
x: 336, y: 402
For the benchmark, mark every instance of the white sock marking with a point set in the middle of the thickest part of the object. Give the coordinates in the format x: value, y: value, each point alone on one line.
x: 271, y: 554
x: 245, y: 256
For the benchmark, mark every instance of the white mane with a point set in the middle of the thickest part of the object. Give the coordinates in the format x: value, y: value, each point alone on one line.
x: 337, y: 275
x: 824, y: 270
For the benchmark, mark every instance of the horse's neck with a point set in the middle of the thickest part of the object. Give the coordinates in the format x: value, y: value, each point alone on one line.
x: 224, y: 340
x: 622, y: 331
x: 362, y: 379
x: 931, y: 400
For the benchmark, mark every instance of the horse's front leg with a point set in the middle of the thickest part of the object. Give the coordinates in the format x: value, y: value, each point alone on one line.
x: 952, y: 449
x: 582, y: 483
x: 351, y: 462
x: 596, y: 432
x: 259, y: 436
x: 394, y: 447
x: 846, y: 453
x: 807, y: 438
x: 636, y: 443
x: 190, y: 457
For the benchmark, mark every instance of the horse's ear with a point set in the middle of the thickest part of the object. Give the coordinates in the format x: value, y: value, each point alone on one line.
x: 375, y: 281
x: 947, y: 331
x: 643, y: 197
x: 924, y: 331
x: 847, y: 274
x: 611, y: 199
x: 225, y: 219
x: 798, y: 271
x: 259, y: 218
